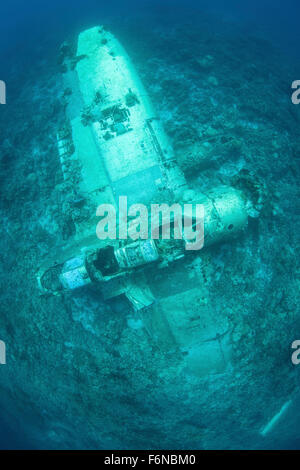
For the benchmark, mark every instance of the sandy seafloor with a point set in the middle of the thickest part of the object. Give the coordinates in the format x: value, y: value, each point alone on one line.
x: 78, y: 376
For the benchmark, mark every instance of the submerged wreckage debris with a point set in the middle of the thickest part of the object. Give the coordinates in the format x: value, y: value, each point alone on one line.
x: 113, y: 145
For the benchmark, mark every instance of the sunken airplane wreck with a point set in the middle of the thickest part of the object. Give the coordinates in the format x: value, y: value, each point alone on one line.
x: 114, y: 145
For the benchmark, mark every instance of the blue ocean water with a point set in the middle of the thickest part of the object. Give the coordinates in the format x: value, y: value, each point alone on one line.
x: 30, y: 37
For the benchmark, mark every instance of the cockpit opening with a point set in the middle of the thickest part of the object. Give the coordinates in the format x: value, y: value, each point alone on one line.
x: 106, y: 262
